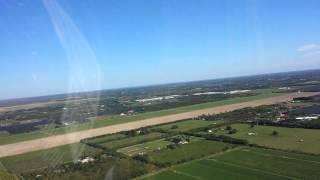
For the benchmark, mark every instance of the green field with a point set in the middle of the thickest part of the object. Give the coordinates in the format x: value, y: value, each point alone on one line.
x: 144, y: 147
x: 106, y: 168
x: 6, y: 139
x: 183, y: 125
x: 44, y: 158
x: 246, y: 163
x: 106, y: 138
x: 193, y: 150
x: 296, y: 139
x: 5, y: 175
x: 132, y: 140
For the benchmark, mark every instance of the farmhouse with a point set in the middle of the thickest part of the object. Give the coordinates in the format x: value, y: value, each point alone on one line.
x: 282, y: 116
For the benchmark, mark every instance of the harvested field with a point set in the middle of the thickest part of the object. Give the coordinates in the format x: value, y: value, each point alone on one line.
x: 59, y: 140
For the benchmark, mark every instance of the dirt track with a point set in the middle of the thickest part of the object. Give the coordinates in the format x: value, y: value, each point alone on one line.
x: 58, y: 140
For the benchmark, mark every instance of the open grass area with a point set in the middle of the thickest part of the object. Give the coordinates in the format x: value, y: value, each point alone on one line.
x: 170, y: 175
x: 295, y: 139
x: 132, y: 140
x: 183, y: 125
x: 6, y: 139
x: 106, y: 138
x: 104, y: 168
x: 246, y: 163
x: 294, y: 166
x: 44, y: 158
x: 193, y: 150
x: 5, y: 175
x: 302, y: 104
x: 144, y: 147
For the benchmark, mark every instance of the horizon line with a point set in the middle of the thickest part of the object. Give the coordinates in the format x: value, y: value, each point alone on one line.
x: 156, y: 84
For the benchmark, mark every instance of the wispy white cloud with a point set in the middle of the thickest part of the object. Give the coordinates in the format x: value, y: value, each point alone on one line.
x: 309, y: 48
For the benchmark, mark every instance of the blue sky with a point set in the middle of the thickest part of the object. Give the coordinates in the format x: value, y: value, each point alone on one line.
x: 50, y: 47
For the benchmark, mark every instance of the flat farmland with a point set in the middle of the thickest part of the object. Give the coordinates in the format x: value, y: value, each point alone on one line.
x: 144, y: 147
x: 106, y: 138
x: 103, y: 122
x: 294, y: 139
x: 132, y: 140
x: 183, y: 125
x: 75, y: 137
x: 246, y: 163
x: 49, y: 157
x: 5, y: 175
x: 193, y: 150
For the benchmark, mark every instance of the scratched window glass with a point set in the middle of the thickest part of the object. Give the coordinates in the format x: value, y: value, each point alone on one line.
x: 159, y: 89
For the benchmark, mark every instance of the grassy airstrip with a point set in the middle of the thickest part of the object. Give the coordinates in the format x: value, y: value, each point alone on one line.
x: 245, y: 163
x: 7, y: 139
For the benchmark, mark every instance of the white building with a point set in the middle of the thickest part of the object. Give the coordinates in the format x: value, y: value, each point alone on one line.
x: 307, y: 118
x: 86, y: 160
x: 251, y: 133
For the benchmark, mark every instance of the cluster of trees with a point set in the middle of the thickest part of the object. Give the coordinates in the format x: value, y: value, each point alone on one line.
x: 227, y: 139
x: 231, y: 130
x: 292, y: 123
x: 24, y: 127
x: 275, y: 133
x: 174, y: 127
x: 136, y: 132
